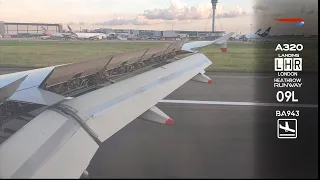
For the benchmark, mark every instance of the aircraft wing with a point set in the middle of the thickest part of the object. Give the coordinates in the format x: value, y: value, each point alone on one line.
x: 61, y: 140
x: 67, y: 35
x: 193, y: 46
x: 94, y: 36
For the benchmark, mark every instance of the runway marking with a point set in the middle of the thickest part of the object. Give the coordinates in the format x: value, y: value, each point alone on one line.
x: 240, y: 77
x: 238, y: 103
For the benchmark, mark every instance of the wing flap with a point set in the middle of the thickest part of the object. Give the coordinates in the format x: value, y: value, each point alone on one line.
x: 38, y: 149
x: 24, y: 143
x: 76, y: 154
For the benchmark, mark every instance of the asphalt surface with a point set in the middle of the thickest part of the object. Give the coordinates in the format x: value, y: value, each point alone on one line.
x: 12, y: 70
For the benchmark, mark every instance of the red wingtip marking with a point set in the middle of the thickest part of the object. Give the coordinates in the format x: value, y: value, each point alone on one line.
x: 169, y: 121
x: 223, y: 49
x: 210, y: 81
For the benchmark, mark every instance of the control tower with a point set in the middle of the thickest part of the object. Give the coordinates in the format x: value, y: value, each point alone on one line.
x: 214, y: 5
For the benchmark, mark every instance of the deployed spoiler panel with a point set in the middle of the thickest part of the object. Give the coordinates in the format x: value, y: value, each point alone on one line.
x: 126, y: 58
x: 153, y: 51
x: 177, y: 45
x: 66, y: 72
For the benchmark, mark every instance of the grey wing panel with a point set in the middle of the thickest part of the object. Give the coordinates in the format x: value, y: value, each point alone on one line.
x: 34, y: 77
x: 8, y: 90
x: 37, y: 96
x: 28, y: 91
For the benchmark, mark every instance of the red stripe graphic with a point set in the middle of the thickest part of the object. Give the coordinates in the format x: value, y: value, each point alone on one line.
x: 289, y: 19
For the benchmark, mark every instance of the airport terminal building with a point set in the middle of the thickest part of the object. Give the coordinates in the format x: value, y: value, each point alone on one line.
x: 16, y: 29
x: 168, y: 34
x: 12, y: 29
x: 2, y: 28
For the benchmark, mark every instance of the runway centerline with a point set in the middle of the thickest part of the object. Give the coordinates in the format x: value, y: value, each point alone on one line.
x: 239, y: 103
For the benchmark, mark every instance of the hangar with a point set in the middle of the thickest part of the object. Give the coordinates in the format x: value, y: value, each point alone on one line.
x: 26, y: 29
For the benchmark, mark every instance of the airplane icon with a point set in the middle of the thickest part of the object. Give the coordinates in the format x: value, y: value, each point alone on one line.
x: 284, y: 131
x: 286, y: 128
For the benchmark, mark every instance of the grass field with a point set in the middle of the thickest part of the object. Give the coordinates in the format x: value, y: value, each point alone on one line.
x: 47, y: 53
x: 241, y: 57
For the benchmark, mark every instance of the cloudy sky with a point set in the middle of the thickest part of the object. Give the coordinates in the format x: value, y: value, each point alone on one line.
x: 231, y: 15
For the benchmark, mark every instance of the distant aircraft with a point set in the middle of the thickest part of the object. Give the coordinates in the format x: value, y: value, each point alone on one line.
x: 55, y: 35
x: 287, y: 128
x: 257, y: 35
x: 91, y: 36
x: 122, y: 36
x: 239, y: 36
x: 258, y: 31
